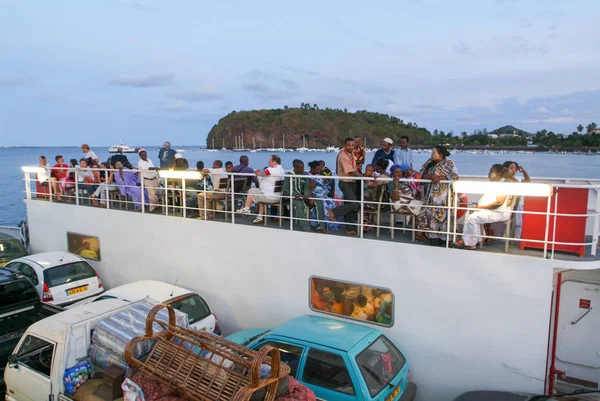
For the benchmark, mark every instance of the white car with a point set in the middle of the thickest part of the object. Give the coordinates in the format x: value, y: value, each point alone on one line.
x: 199, y: 313
x: 60, y: 278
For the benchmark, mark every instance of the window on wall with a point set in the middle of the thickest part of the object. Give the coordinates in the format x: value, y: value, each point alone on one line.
x: 86, y: 246
x: 363, y: 302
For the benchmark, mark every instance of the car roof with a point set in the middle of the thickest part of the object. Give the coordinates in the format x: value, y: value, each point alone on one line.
x: 323, y: 331
x: 52, y: 259
x: 7, y: 275
x: 53, y: 327
x: 157, y: 290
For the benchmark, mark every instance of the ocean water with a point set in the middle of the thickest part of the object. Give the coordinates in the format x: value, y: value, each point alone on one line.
x: 12, y: 207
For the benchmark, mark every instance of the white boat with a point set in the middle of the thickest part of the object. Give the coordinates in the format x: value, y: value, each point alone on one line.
x: 303, y: 148
x: 330, y: 149
x: 121, y: 146
x: 180, y: 150
x: 466, y: 320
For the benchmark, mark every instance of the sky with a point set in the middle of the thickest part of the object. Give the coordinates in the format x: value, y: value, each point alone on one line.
x: 146, y: 71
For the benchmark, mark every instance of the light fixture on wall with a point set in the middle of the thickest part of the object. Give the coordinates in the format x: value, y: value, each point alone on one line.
x: 184, y: 175
x: 503, y: 188
x: 33, y: 169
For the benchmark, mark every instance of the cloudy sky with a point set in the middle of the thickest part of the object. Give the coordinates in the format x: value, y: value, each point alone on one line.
x: 150, y: 70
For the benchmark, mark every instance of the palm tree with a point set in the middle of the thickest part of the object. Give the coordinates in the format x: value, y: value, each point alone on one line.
x: 580, y: 128
x: 591, y: 128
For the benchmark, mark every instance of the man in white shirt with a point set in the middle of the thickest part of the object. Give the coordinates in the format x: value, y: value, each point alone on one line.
x: 219, y: 192
x: 402, y: 154
x: 148, y: 172
x: 266, y: 193
x: 90, y: 156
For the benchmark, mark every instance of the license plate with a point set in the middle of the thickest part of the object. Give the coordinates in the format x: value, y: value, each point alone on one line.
x: 77, y: 290
x: 2, y: 264
x: 394, y: 393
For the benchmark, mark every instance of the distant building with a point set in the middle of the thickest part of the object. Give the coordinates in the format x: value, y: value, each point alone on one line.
x: 493, y: 136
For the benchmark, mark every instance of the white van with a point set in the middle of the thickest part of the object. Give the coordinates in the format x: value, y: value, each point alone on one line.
x: 35, y: 369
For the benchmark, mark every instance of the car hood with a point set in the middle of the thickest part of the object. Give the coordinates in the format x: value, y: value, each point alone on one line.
x: 245, y: 337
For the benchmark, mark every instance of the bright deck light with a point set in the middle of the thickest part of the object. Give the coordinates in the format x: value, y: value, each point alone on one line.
x: 179, y: 174
x: 33, y: 169
x: 503, y: 188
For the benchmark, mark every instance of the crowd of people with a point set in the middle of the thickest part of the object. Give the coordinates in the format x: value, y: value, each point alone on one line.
x: 390, y: 179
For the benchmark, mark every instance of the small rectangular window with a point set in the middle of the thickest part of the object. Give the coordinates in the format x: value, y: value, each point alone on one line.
x: 327, y: 370
x: 86, y: 246
x: 351, y: 300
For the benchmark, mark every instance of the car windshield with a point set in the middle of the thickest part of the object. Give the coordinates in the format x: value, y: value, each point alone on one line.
x: 16, y: 292
x: 194, y: 306
x: 11, y: 247
x: 379, y: 363
x: 68, y: 273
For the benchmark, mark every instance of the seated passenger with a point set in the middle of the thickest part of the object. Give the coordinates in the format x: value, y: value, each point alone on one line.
x: 363, y: 309
x: 107, y: 184
x: 217, y: 173
x: 409, y: 173
x: 60, y: 172
x: 229, y: 167
x: 492, y: 207
x: 370, y: 188
x: 266, y: 193
x: 128, y: 182
x: 86, y: 178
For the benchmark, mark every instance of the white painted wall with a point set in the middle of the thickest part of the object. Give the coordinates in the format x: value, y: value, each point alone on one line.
x: 466, y: 320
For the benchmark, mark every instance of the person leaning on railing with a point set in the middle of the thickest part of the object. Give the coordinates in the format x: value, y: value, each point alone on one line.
x: 492, y: 208
x: 346, y: 169
x: 438, y: 168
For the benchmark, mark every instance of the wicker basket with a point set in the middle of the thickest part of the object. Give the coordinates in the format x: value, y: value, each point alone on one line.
x: 202, y: 366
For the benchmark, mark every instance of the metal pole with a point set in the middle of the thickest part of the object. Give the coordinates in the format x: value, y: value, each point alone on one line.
x: 362, y: 207
x: 449, y: 214
x: 232, y: 199
x: 554, y: 225
x: 183, y: 213
x: 291, y: 203
x: 107, y: 183
x: 547, y: 226
x: 456, y: 217
x: 50, y: 185
x: 76, y: 188
x: 167, y: 197
x: 596, y: 224
x: 142, y: 188
x: 204, y: 196
x: 28, y: 186
x: 553, y: 370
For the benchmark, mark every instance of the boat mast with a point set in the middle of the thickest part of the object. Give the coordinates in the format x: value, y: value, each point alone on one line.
x: 253, y: 142
x: 213, y: 140
x: 283, y: 141
x: 242, y: 140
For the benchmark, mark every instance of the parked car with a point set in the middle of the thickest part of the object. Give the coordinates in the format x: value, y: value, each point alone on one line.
x: 20, y: 307
x: 60, y: 278
x: 510, y: 396
x: 338, y: 360
x: 10, y: 248
x: 35, y: 368
x: 199, y: 313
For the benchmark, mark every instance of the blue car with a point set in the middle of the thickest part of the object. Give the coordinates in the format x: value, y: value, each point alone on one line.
x: 339, y: 361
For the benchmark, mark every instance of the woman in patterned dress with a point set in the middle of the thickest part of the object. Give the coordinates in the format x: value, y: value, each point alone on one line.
x: 321, y: 192
x: 437, y: 168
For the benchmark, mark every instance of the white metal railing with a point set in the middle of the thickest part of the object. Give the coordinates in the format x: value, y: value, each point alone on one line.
x: 176, y: 198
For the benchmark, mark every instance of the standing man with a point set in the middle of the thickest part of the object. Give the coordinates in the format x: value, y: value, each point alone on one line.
x: 300, y: 192
x: 90, y: 156
x: 148, y: 172
x: 403, y: 155
x: 359, y: 153
x: 346, y: 167
x: 166, y: 156
x: 385, y: 152
x: 244, y: 167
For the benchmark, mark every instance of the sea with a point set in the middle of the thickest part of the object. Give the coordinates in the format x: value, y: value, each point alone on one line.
x: 12, y: 193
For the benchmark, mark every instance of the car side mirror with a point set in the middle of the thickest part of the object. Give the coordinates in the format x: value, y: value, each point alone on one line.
x: 13, y: 362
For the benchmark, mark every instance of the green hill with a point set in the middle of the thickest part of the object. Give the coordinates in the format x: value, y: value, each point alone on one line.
x: 508, y: 130
x: 320, y: 128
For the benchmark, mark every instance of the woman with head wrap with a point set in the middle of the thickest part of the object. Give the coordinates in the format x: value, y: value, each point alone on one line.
x: 435, y: 217
x: 321, y: 190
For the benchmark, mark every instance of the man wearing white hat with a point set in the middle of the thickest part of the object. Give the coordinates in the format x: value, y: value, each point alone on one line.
x: 148, y: 172
x: 385, y: 152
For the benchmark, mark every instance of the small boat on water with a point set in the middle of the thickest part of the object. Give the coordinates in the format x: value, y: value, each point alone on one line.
x: 121, y: 146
